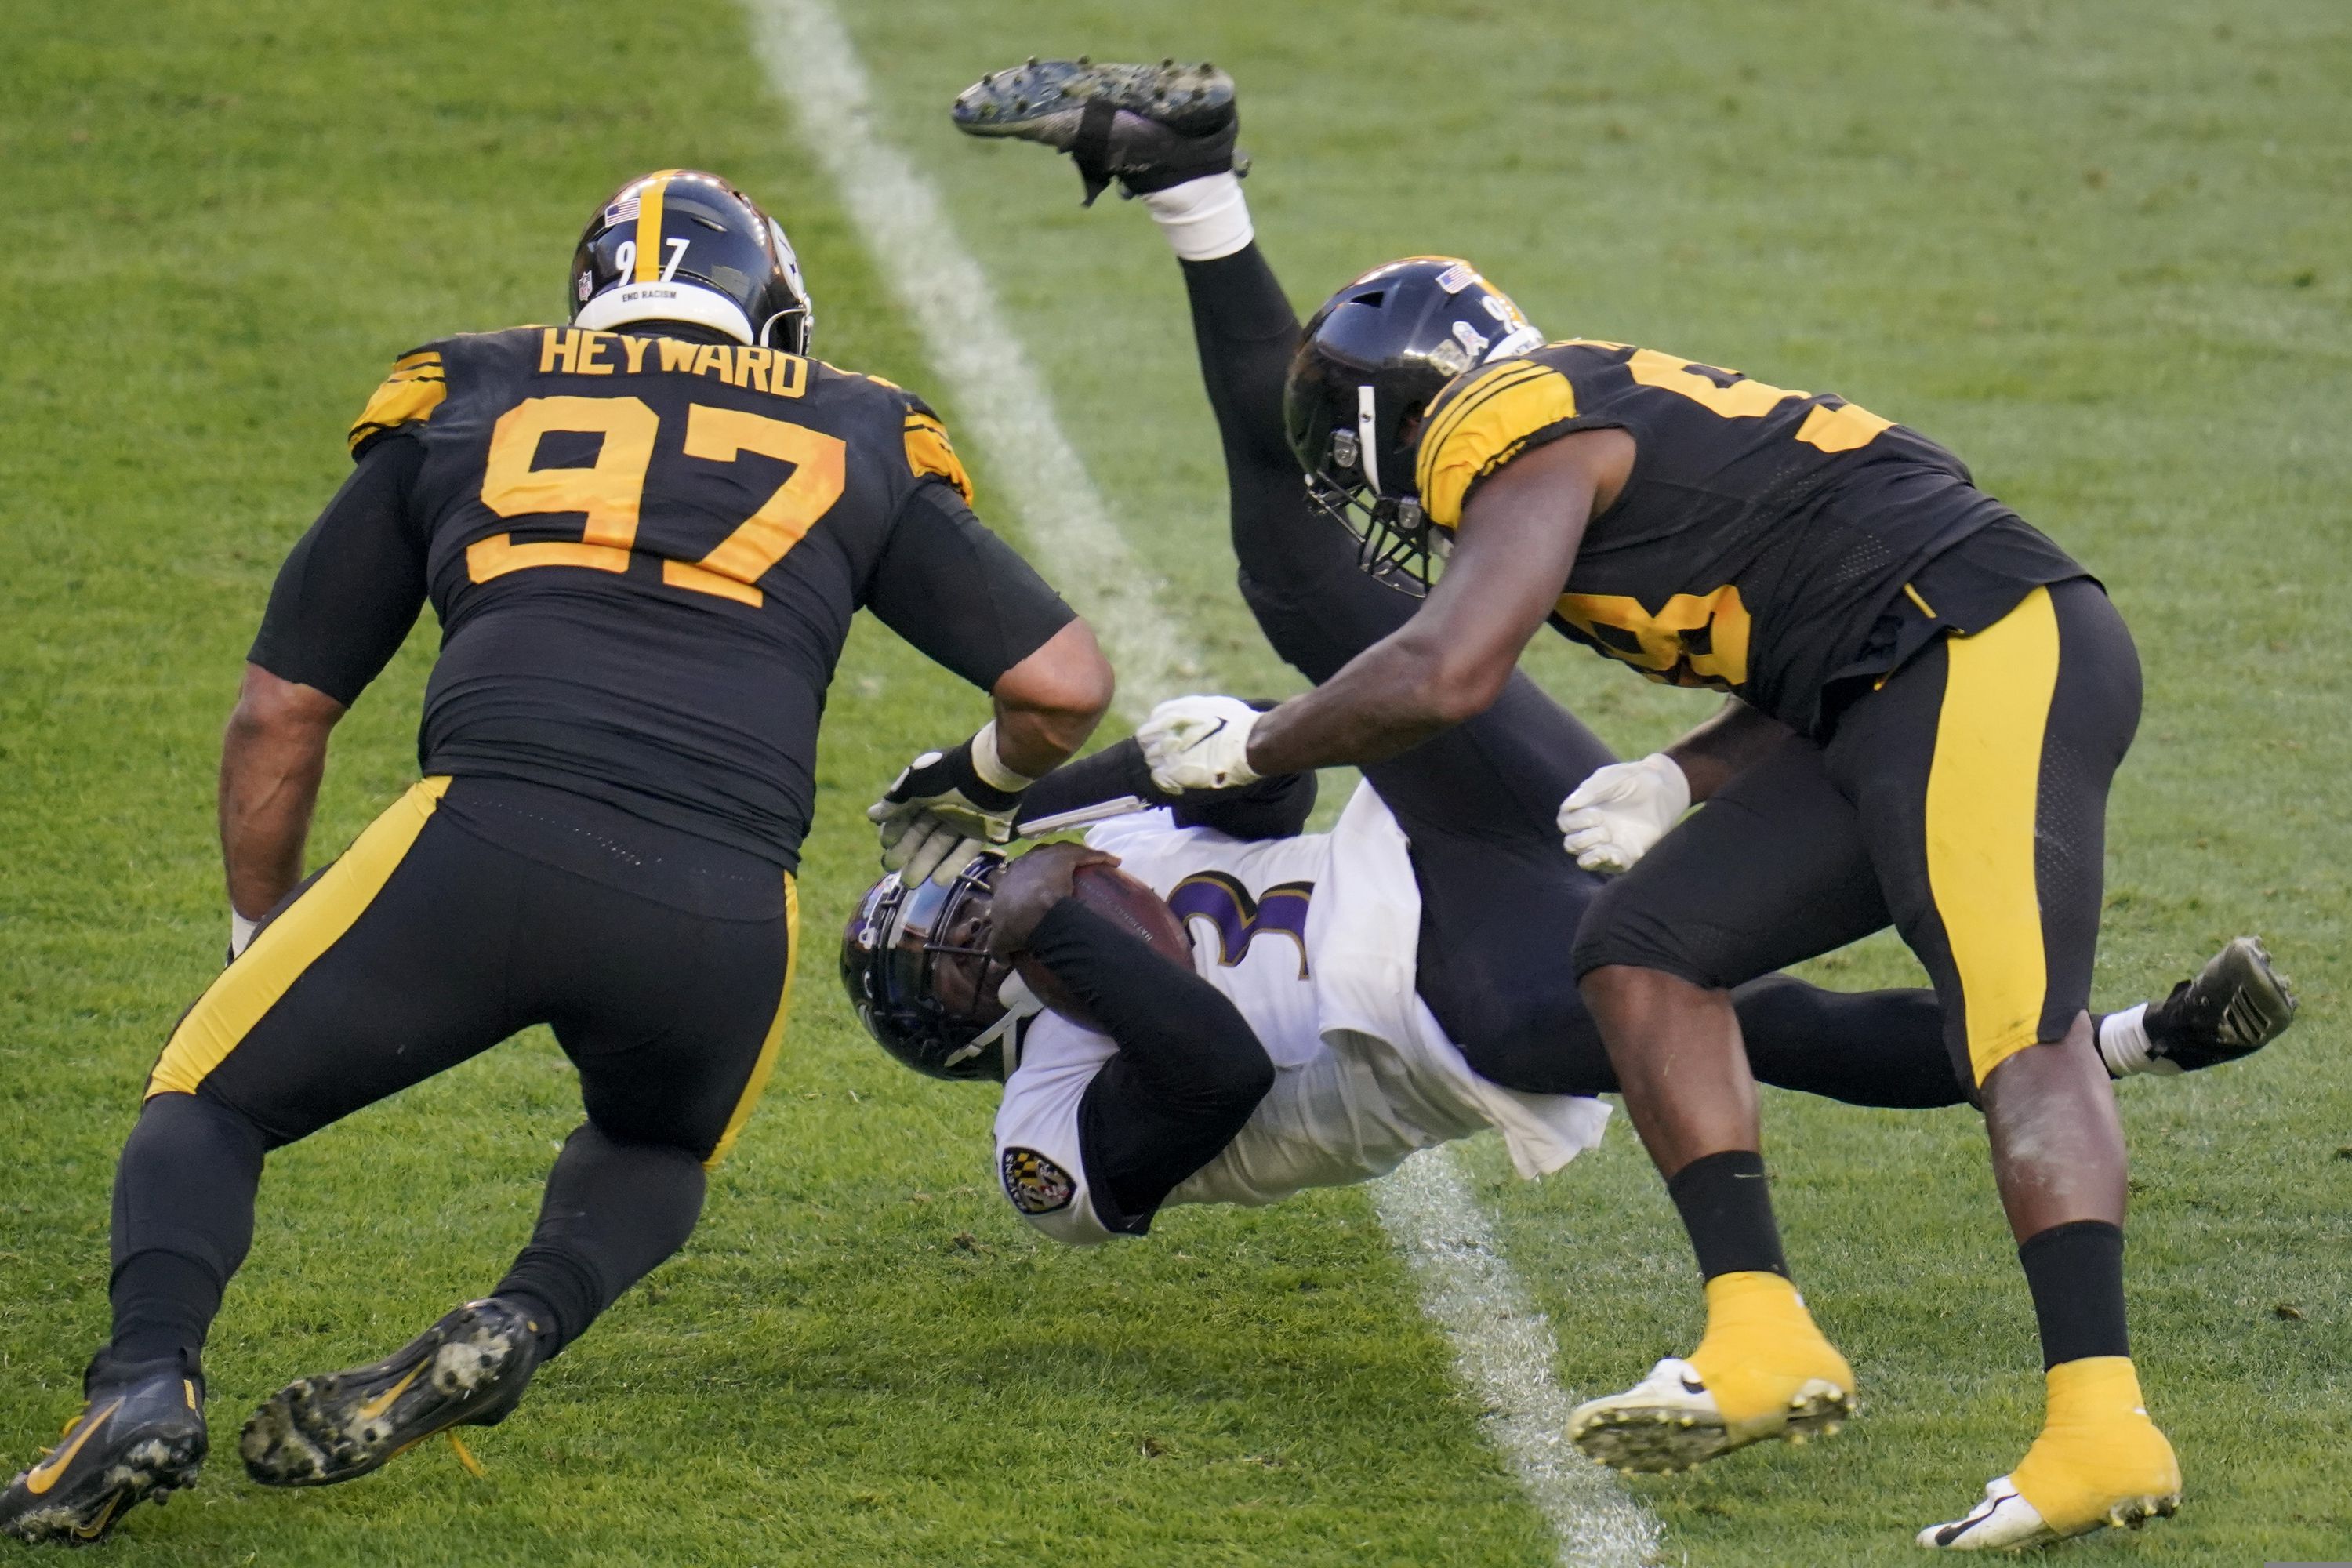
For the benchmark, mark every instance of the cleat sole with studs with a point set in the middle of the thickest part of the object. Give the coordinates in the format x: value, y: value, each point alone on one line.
x: 1043, y: 99
x: 1634, y: 1440
x: 82, y: 1514
x: 318, y: 1431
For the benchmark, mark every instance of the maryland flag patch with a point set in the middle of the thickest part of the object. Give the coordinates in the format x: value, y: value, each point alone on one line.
x: 1034, y: 1184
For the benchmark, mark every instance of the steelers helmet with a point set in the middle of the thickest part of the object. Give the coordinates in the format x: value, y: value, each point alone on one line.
x: 683, y: 246
x: 916, y: 964
x: 1371, y: 361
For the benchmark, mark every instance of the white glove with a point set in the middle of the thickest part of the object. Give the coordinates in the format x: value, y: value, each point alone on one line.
x: 1612, y: 818
x: 945, y: 809
x: 1199, y: 743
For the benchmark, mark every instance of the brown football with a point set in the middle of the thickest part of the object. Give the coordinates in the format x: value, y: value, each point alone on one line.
x: 1126, y: 903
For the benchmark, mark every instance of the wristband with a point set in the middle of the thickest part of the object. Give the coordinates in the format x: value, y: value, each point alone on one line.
x: 991, y: 767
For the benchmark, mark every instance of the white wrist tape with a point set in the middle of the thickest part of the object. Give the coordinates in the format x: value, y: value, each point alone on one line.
x: 991, y: 767
x: 240, y: 931
x: 1204, y: 218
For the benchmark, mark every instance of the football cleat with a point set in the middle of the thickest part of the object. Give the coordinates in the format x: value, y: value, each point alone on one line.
x: 1669, y: 1421
x: 2005, y: 1521
x: 140, y: 1437
x: 468, y: 1369
x: 2237, y: 1004
x: 1149, y: 127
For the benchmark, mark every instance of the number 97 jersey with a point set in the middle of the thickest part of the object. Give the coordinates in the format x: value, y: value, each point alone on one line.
x: 646, y: 553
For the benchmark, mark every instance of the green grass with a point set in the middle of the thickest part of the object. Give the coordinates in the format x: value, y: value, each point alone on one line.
x: 2099, y: 249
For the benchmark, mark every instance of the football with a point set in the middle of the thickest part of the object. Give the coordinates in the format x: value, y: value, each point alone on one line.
x: 1126, y: 902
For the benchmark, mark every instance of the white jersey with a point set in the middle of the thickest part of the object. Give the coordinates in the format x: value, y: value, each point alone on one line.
x: 1315, y: 940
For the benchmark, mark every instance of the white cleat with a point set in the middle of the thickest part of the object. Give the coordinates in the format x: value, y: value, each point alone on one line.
x: 1669, y: 1421
x: 2005, y: 1521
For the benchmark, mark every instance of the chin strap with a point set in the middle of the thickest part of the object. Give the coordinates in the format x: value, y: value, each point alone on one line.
x: 1090, y: 149
x: 1020, y: 1004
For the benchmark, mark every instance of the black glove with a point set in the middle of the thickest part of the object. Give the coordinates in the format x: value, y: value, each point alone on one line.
x: 939, y: 814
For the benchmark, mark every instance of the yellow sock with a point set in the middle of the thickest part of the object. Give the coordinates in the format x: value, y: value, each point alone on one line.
x: 2097, y: 1446
x: 1760, y: 1347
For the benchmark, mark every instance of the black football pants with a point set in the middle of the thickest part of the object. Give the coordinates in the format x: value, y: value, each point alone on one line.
x: 470, y: 910
x: 1479, y: 803
x: 1963, y: 802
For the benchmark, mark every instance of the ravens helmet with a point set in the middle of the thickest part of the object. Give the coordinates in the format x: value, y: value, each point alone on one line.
x: 916, y: 966
x: 1371, y: 360
x: 683, y: 246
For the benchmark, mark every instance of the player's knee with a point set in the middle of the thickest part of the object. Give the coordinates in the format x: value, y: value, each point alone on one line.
x: 1620, y: 930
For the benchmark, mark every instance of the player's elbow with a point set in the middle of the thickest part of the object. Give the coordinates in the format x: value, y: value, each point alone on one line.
x: 1253, y: 1083
x: 278, y: 713
x: 1455, y: 687
x: 1239, y: 1072
x: 1060, y: 693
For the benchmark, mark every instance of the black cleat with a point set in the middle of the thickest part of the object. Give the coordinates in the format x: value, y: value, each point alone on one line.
x: 468, y: 1369
x: 1149, y: 127
x: 140, y: 1435
x: 2237, y: 1004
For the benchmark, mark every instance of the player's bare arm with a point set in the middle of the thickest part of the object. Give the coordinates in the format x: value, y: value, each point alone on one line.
x: 1519, y: 538
x: 1717, y: 750
x: 272, y: 757
x: 1613, y: 818
x: 1050, y: 702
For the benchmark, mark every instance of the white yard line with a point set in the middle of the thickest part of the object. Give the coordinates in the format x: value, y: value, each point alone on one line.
x: 1502, y: 1347
x: 1000, y: 401
x: 1503, y: 1354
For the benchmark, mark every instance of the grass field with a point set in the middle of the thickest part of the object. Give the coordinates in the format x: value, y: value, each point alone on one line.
x: 2103, y: 250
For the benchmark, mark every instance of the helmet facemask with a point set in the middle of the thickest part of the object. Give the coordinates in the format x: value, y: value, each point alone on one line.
x: 917, y: 968
x: 1395, y: 543
x: 1369, y: 365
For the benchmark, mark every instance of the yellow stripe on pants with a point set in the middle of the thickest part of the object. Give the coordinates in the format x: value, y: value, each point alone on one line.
x: 289, y: 944
x: 1984, y: 793
x: 756, y: 1084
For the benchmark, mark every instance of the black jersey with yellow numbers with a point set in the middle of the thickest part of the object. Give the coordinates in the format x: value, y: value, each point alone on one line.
x: 1762, y: 533
x: 646, y: 553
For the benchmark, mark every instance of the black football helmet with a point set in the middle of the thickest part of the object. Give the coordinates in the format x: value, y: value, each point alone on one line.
x: 917, y: 967
x: 683, y: 246
x: 1372, y: 359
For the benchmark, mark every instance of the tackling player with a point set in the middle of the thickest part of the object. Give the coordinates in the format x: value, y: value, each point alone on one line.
x: 1930, y: 699
x: 645, y: 534
x: 1308, y: 1049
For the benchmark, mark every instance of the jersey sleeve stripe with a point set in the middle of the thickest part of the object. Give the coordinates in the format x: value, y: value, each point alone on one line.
x: 403, y: 399
x: 928, y: 454
x: 1485, y: 429
x: 1460, y: 398
x: 1448, y: 416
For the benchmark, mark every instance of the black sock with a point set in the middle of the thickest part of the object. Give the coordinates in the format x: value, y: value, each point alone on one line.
x: 612, y: 1211
x: 1726, y: 1205
x: 183, y: 1222
x: 2076, y: 1274
x: 164, y: 1304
